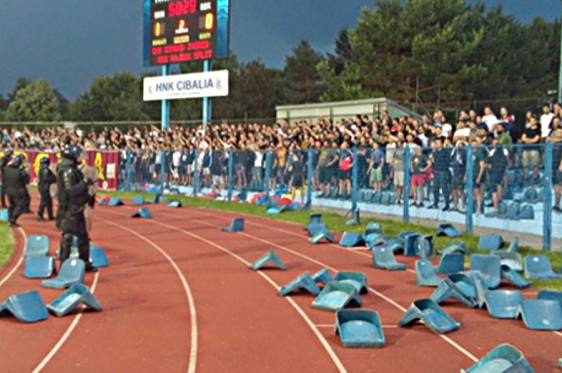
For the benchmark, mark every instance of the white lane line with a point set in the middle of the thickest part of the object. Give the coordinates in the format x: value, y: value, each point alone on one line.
x: 333, y: 326
x: 319, y: 335
x: 20, y: 260
x: 66, y: 334
x: 189, y: 294
x: 389, y: 300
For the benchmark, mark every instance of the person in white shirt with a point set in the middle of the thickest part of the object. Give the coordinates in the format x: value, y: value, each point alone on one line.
x: 546, y: 121
x: 490, y: 119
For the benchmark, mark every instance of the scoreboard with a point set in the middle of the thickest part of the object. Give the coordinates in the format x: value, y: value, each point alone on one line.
x: 177, y: 31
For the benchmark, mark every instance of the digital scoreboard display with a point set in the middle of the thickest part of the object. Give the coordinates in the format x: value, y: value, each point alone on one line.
x: 177, y: 31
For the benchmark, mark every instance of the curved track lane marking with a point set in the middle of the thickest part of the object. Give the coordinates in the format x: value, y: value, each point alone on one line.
x: 389, y: 300
x: 190, y: 299
x: 315, y: 330
x: 20, y: 260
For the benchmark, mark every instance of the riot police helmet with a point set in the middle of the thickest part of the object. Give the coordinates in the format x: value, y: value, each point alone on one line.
x: 45, y: 161
x: 72, y: 152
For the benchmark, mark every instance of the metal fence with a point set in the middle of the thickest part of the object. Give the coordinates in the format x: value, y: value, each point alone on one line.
x: 512, y: 188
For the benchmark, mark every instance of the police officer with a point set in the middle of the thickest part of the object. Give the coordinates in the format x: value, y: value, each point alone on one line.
x: 46, y: 178
x: 14, y: 183
x: 26, y: 195
x: 3, y: 163
x: 73, y: 195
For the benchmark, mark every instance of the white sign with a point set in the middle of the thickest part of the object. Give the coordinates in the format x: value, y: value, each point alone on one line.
x: 175, y: 87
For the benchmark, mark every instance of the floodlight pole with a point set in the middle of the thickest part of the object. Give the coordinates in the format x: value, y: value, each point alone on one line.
x: 165, y: 103
x: 207, y: 66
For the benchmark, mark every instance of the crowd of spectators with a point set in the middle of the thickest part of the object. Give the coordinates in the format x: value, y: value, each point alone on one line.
x: 437, y: 147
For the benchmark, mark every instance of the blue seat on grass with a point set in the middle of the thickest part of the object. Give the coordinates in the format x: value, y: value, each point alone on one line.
x: 490, y: 268
x: 138, y: 200
x: 337, y: 295
x: 503, y: 358
x: 98, y: 257
x: 426, y: 274
x: 541, y: 314
x: 457, y: 247
x: 39, y: 266
x: 323, y: 276
x: 270, y: 258
x: 71, y: 272
x: 513, y: 277
x: 448, y: 230
x: 373, y: 227
x: 325, y: 235
x: 142, y: 213
x: 383, y: 258
x: 431, y: 314
x: 115, y: 202
x: 539, y: 267
x: 371, y: 238
x: 359, y: 328
x: 395, y: 244
x: 4, y: 214
x: 273, y: 210
x: 450, y: 263
x: 512, y: 260
x: 351, y: 239
x: 75, y: 295
x: 314, y: 218
x: 36, y: 245
x: 410, y: 243
x: 423, y: 247
x: 27, y: 307
x: 237, y: 225
x: 512, y: 248
x: 303, y: 282
x: 355, y: 218
x: 490, y: 242
x: 504, y: 304
x: 357, y: 279
x: 550, y: 295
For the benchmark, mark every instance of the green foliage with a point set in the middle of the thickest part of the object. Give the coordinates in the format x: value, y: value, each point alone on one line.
x: 36, y: 102
x: 301, y: 76
x: 6, y: 243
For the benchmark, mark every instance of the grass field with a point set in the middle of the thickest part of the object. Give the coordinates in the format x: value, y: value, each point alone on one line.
x: 336, y: 223
x: 6, y: 243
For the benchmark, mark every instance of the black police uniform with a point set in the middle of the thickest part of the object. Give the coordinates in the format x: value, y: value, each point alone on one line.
x: 3, y: 163
x: 73, y: 196
x: 14, y: 182
x: 46, y: 178
x: 26, y: 195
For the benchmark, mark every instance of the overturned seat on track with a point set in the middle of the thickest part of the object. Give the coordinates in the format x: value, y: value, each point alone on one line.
x: 541, y: 314
x: 71, y: 272
x: 455, y: 247
x: 450, y: 263
x: 431, y: 314
x: 351, y: 239
x: 316, y: 228
x: 539, y: 267
x: 324, y: 235
x: 323, y: 276
x: 27, y: 307
x: 383, y: 258
x: 142, y: 213
x: 39, y: 266
x: 503, y: 358
x: 36, y: 245
x: 270, y: 257
x: 513, y: 277
x: 359, y: 328
x: 503, y: 304
x: 357, y: 279
x: 448, y: 230
x: 314, y: 218
x: 490, y: 268
x: 302, y: 282
x: 457, y: 286
x: 337, y: 295
x: 75, y: 295
x: 98, y: 257
x: 237, y: 225
x: 426, y: 274
x: 138, y: 200
x: 490, y: 242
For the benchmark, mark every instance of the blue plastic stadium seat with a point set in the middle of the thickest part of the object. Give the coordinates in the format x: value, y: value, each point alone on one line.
x: 325, y: 235
x: 359, y: 328
x: 490, y: 268
x: 448, y: 230
x: 512, y: 248
x: 37, y: 245
x: 314, y: 218
x: 337, y: 295
x: 423, y: 247
x: 323, y: 276
x: 383, y: 258
x: 142, y: 213
x: 431, y: 314
x: 541, y: 314
x: 115, y: 202
x: 550, y: 295
x: 512, y: 260
x: 490, y: 242
x: 4, y: 214
x: 503, y: 358
x: 450, y: 263
x: 237, y: 225
x: 513, y: 211
x: 373, y: 227
x: 270, y: 258
x: 455, y: 247
x: 71, y: 272
x: 351, y: 239
x: 357, y: 279
x: 174, y: 203
x: 355, y: 218
x: 39, y: 266
x: 395, y: 244
x: 457, y: 286
x: 303, y: 282
x: 513, y: 277
x: 409, y: 243
x: 426, y: 274
x: 138, y: 200
x: 504, y: 304
x: 77, y: 294
x: 316, y: 228
x: 98, y: 257
x: 27, y: 307
x: 539, y: 267
x: 527, y: 213
x: 273, y: 210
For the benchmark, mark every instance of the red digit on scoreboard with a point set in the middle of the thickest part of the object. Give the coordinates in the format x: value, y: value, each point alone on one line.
x: 192, y: 6
x: 171, y: 9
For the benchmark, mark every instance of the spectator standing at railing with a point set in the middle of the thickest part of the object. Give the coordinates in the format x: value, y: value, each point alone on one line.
x: 458, y: 170
x: 508, y: 122
x: 376, y: 164
x: 531, y: 157
x: 556, y: 138
x: 398, y: 168
x: 490, y: 119
x: 441, y: 160
x: 345, y: 164
x: 497, y: 163
x: 479, y: 166
x: 420, y: 164
x: 546, y: 121
x: 296, y: 171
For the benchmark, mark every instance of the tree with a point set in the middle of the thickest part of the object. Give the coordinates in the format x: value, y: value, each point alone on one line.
x: 303, y: 80
x: 36, y: 102
x: 110, y: 98
x: 342, y: 56
x: 21, y: 83
x: 261, y: 89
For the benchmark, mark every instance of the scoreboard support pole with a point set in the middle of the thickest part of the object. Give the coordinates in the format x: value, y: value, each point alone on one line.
x: 207, y: 66
x: 165, y: 103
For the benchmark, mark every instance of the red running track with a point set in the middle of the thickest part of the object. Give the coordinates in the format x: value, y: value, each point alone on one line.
x: 179, y: 297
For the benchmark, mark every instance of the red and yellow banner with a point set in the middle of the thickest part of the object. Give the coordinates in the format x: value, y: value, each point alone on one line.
x: 106, y: 162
